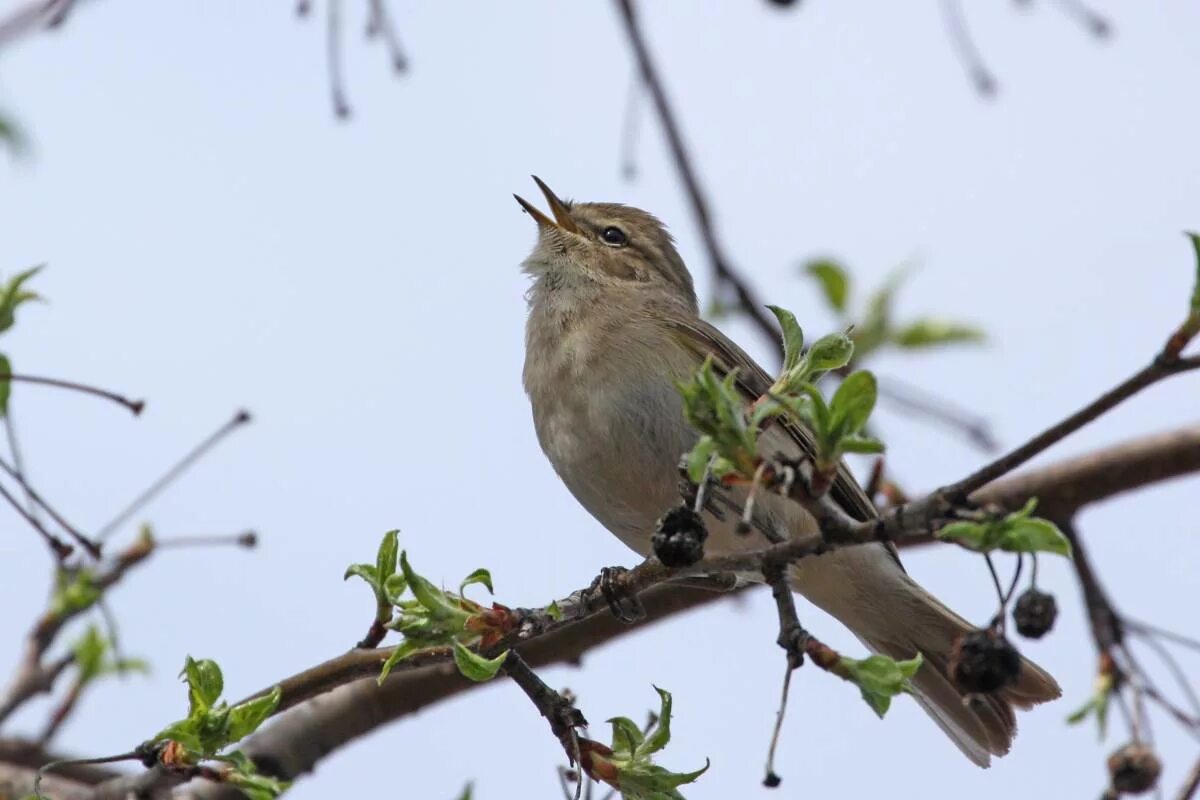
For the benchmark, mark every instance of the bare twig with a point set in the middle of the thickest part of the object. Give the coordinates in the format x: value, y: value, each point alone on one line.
x: 57, y: 546
x: 36, y: 500
x: 238, y: 419
x: 965, y: 48
x: 380, y: 23
x: 333, y: 55
x: 135, y: 406
x: 722, y: 269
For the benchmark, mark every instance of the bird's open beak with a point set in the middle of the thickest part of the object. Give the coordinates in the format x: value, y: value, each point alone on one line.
x: 562, y: 215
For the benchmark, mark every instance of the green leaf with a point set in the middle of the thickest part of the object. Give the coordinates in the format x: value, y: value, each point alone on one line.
x: 204, y: 684
x: 698, y: 458
x: 626, y: 736
x: 1035, y: 535
x: 879, y: 678
x: 467, y: 792
x: 89, y: 651
x: 660, y: 734
x: 931, y: 332
x: 365, y: 571
x: 861, y: 444
x: 554, y: 612
x: 793, y: 337
x: 852, y: 403
x: 975, y: 535
x: 185, y: 731
x: 395, y: 587
x: 834, y: 282
x: 432, y: 598
x: 398, y: 654
x: 644, y: 781
x: 474, y: 666
x: 244, y: 718
x: 5, y: 384
x: 829, y: 353
x: 12, y: 295
x: 385, y: 559
x: 74, y: 591
x: 480, y: 575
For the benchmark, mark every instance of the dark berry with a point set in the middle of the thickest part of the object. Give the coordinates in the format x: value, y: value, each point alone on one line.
x: 678, y: 540
x: 983, y: 661
x: 1134, y: 769
x: 1034, y: 613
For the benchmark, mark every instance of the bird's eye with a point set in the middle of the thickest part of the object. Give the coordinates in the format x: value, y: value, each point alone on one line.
x: 614, y: 236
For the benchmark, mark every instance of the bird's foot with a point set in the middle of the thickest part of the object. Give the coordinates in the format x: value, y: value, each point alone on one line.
x: 623, y: 604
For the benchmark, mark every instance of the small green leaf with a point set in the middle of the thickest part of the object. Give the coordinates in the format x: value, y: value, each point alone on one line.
x: 467, y: 792
x: 89, y: 652
x: 626, y: 736
x: 829, y: 353
x: 245, y: 718
x: 385, y: 558
x: 834, y: 281
x: 931, y: 332
x: 395, y: 587
x: 398, y: 654
x: 365, y: 571
x: 645, y: 781
x: 204, y: 684
x: 975, y: 535
x: 434, y: 600
x: 879, y: 678
x: 852, y: 403
x: 861, y: 444
x: 474, y: 666
x: 5, y: 384
x: 660, y: 734
x: 74, y: 590
x: 554, y: 612
x: 12, y: 295
x: 480, y: 575
x: 793, y: 337
x: 698, y: 458
x: 1035, y: 536
x: 185, y: 731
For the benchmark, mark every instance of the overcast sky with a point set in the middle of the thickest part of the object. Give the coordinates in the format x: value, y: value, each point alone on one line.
x: 216, y: 240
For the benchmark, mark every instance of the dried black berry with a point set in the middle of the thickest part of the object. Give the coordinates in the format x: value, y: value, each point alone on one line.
x: 983, y: 661
x: 1134, y: 769
x: 678, y: 540
x: 1034, y: 613
x: 782, y: 3
x: 772, y: 780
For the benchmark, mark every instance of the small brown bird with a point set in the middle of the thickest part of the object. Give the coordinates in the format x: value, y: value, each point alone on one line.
x: 613, y: 324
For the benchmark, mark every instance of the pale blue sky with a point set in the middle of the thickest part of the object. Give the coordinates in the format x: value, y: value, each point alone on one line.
x: 216, y: 240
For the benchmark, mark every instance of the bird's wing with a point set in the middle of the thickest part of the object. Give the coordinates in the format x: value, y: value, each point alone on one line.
x: 705, y: 340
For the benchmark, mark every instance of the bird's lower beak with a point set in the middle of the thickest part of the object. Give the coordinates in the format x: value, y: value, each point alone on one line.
x: 562, y: 215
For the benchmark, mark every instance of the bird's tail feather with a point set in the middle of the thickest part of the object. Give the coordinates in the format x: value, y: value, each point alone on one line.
x: 981, y: 726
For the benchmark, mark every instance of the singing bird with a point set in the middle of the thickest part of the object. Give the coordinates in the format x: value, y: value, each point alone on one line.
x: 613, y: 325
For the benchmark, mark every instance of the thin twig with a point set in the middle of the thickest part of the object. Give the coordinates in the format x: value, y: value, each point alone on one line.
x: 333, y: 54
x: 630, y: 127
x: 1147, y: 376
x: 10, y: 430
x: 57, y: 546
x: 917, y: 401
x: 380, y: 22
x: 239, y: 419
x: 135, y: 406
x: 965, y: 48
x: 721, y: 266
x: 36, y: 500
x: 1191, y: 784
x: 1095, y: 23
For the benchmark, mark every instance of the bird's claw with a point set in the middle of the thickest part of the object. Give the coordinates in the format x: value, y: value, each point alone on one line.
x: 623, y: 604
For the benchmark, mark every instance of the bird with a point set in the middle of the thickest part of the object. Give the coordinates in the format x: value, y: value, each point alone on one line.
x: 613, y: 325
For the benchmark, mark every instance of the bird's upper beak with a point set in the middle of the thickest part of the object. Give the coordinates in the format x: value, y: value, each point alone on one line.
x: 562, y: 215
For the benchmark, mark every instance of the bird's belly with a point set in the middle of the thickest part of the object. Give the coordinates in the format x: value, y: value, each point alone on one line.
x: 617, y: 449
